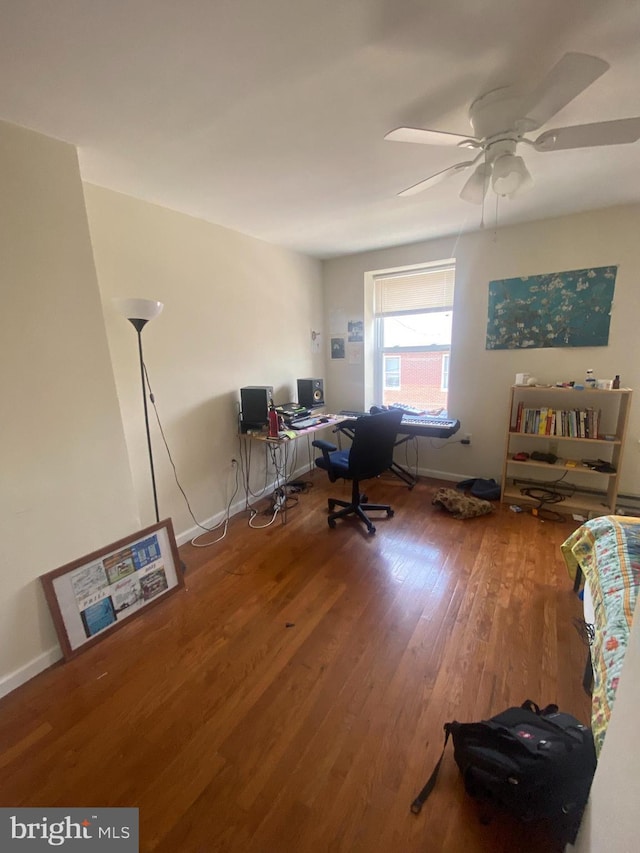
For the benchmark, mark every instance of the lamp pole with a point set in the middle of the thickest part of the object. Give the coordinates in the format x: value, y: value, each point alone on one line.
x: 139, y: 326
x: 138, y: 312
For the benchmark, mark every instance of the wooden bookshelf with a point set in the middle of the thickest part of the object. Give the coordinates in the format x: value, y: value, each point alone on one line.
x: 585, y: 491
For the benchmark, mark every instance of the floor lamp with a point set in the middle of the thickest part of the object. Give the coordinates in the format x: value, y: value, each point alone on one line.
x: 139, y: 312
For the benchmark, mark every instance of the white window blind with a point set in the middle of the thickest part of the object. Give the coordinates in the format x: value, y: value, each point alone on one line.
x: 422, y: 290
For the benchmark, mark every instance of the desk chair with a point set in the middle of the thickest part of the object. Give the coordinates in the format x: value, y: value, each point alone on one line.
x: 370, y: 455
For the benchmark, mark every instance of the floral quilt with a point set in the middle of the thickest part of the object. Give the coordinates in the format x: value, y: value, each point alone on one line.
x: 607, y: 549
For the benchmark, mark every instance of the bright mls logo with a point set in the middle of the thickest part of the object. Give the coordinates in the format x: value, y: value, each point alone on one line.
x: 81, y: 830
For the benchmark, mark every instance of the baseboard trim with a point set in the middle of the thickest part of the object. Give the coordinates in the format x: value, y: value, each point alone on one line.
x: 213, y: 521
x: 240, y: 505
x: 16, y: 679
x: 444, y: 475
x: 235, y: 508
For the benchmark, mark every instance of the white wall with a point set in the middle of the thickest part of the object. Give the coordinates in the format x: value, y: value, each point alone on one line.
x: 66, y: 485
x: 610, y: 821
x: 480, y: 379
x: 237, y: 312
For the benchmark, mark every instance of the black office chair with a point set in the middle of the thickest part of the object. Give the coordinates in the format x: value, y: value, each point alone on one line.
x: 370, y: 455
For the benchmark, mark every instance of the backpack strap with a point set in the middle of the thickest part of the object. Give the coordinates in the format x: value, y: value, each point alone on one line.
x: 528, y: 705
x: 419, y: 801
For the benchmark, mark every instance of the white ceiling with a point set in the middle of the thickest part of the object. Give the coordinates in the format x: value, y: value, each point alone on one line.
x: 268, y: 116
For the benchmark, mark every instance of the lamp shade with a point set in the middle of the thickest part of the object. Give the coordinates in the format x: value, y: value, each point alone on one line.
x: 509, y: 174
x: 138, y: 309
x: 475, y: 188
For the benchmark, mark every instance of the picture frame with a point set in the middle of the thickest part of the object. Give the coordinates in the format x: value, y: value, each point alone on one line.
x: 96, y: 594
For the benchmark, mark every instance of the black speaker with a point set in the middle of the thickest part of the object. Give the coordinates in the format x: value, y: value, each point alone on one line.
x: 254, y: 404
x: 311, y: 392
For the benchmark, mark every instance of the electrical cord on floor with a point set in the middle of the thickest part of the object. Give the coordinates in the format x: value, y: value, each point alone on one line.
x: 545, y: 493
x: 203, y: 527
x: 254, y: 512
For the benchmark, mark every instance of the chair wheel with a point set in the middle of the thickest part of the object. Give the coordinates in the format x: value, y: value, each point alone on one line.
x: 331, y: 504
x: 390, y: 513
x: 332, y: 523
x: 372, y: 530
x: 363, y: 499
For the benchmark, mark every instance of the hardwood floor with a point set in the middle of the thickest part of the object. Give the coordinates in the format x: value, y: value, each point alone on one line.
x: 292, y: 698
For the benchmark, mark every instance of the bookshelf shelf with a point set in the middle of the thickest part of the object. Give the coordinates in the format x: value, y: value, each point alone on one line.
x: 534, y: 436
x: 538, y: 419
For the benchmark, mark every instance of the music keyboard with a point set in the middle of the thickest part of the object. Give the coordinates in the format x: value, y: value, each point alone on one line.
x: 429, y: 427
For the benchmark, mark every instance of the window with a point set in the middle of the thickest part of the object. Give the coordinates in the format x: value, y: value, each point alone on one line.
x: 391, y: 371
x: 444, y: 384
x: 413, y: 315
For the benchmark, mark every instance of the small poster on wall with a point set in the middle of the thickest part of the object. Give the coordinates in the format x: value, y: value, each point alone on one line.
x: 337, y: 348
x: 562, y: 309
x: 356, y: 331
x: 97, y: 593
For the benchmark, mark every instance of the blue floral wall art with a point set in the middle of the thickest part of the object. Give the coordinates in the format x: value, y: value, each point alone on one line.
x: 561, y: 309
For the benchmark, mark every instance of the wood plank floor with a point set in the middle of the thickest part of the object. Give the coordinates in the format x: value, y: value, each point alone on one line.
x: 292, y: 697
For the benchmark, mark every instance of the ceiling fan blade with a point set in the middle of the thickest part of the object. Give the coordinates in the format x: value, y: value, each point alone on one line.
x: 566, y: 80
x: 435, y: 179
x: 429, y: 137
x: 616, y: 132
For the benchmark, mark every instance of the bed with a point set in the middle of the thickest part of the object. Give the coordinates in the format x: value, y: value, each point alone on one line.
x: 605, y: 552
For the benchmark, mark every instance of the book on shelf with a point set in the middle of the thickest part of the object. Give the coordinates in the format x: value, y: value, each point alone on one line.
x: 567, y: 423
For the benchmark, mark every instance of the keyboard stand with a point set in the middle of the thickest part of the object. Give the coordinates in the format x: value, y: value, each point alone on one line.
x: 400, y: 472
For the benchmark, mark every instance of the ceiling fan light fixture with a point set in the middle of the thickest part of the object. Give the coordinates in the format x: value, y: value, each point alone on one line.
x: 509, y: 174
x: 525, y: 184
x: 476, y: 187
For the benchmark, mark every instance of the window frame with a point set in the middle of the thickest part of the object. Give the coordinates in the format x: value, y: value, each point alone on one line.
x: 446, y: 366
x: 379, y: 351
x: 386, y: 357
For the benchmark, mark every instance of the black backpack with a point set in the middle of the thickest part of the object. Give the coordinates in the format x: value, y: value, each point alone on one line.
x: 535, y: 764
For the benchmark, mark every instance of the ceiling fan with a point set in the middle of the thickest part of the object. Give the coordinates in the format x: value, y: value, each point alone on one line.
x: 501, y: 117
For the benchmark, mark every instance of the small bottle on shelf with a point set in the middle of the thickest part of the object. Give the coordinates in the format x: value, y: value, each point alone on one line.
x: 590, y: 381
x: 616, y: 381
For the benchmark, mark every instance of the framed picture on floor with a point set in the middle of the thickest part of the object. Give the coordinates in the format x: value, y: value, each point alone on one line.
x: 96, y: 594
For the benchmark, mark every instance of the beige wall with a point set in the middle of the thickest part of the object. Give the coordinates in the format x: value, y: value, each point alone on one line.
x: 66, y: 485
x: 480, y: 379
x: 75, y: 466
x: 237, y: 312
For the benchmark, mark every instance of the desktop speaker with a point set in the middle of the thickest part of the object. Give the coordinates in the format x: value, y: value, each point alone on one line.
x: 254, y: 404
x: 311, y: 392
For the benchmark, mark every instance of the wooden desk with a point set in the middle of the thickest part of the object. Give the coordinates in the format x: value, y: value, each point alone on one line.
x: 333, y: 421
